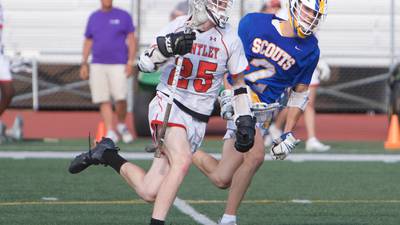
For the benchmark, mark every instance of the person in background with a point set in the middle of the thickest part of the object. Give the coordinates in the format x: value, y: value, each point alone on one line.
x: 110, y: 37
x: 271, y: 6
x: 180, y: 9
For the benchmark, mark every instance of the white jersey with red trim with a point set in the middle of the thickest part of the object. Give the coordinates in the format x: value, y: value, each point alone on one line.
x: 214, y: 53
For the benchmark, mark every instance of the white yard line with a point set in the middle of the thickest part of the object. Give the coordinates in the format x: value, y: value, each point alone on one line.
x: 185, y: 208
x: 389, y: 158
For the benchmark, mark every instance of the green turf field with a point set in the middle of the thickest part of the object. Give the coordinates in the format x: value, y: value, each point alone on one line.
x: 41, y: 192
x: 211, y: 145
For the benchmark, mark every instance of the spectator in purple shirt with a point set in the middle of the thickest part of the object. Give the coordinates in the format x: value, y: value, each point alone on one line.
x: 110, y: 37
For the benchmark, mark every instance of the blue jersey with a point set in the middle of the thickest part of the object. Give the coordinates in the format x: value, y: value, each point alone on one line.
x: 275, y: 62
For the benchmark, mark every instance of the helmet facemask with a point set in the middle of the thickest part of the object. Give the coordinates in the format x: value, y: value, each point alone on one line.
x: 218, y: 11
x: 307, y: 17
x: 197, y: 11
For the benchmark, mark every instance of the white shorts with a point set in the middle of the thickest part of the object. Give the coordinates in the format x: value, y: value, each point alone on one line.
x: 315, y: 78
x: 108, y: 81
x: 195, y: 129
x: 5, y: 74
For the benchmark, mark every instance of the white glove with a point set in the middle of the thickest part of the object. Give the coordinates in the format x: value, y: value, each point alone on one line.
x: 324, y: 70
x: 225, y: 101
x: 283, y: 145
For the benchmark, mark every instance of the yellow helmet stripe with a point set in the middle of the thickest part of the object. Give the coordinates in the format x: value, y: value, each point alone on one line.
x: 322, y: 6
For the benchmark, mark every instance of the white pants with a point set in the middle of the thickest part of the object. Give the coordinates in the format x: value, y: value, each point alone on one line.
x: 195, y: 129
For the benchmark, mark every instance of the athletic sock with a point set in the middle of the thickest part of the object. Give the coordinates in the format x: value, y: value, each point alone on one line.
x: 156, y: 222
x: 228, y: 218
x: 114, y: 160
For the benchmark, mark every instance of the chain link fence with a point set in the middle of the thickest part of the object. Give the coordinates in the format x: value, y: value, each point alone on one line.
x: 360, y: 55
x: 59, y: 88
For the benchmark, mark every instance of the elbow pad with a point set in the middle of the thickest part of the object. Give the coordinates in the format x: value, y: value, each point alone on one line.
x: 150, y: 60
x: 298, y: 99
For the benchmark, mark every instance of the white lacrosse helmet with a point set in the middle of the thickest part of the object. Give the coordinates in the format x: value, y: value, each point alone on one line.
x: 215, y: 10
x: 306, y: 15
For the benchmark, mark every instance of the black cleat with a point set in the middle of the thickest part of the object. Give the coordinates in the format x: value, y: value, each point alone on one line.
x: 93, y: 157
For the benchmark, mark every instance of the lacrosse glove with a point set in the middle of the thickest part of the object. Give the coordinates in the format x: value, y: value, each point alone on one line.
x: 283, y: 145
x: 176, y: 43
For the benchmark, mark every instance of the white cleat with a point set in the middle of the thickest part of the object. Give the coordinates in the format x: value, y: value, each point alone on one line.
x: 112, y: 135
x: 125, y: 134
x: 314, y: 145
x: 16, y: 131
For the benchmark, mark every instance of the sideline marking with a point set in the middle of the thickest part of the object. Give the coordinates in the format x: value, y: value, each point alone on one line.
x: 185, y: 208
x: 387, y: 158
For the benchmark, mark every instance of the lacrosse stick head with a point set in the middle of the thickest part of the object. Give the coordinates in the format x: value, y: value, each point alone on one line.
x: 217, y: 11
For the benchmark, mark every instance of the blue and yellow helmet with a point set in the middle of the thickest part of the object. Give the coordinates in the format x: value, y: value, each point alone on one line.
x: 306, y: 16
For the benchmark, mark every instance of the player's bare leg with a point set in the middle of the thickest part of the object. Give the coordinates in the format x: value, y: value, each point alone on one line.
x: 106, y: 113
x: 281, y: 119
x: 179, y: 156
x: 120, y: 110
x: 220, y: 172
x: 309, y: 112
x: 122, y: 129
x: 244, y: 174
x: 164, y: 178
x: 162, y: 181
x: 145, y: 184
x: 312, y: 143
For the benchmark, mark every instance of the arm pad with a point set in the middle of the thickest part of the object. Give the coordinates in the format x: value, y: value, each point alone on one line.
x: 150, y: 60
x: 225, y: 101
x: 298, y: 99
x: 241, y: 102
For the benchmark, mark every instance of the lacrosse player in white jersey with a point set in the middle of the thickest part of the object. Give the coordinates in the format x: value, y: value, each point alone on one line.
x: 209, y: 51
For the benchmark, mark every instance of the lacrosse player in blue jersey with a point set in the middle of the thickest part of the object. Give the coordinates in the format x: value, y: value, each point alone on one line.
x: 282, y: 54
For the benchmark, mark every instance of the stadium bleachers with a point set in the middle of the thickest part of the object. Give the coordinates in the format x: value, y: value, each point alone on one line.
x: 52, y: 28
x: 355, y: 34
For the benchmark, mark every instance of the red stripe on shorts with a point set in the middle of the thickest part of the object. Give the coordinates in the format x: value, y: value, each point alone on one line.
x: 159, y: 122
